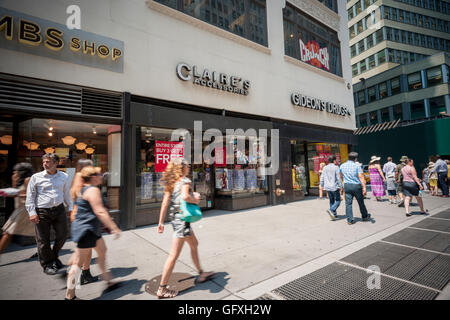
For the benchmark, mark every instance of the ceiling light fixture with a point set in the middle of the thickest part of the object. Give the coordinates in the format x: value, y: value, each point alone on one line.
x: 68, y: 140
x: 6, y: 139
x: 81, y: 145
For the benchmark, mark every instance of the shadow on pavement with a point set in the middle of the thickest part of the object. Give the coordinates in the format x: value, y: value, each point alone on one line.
x: 122, y: 272
x: 133, y: 287
x: 214, y: 285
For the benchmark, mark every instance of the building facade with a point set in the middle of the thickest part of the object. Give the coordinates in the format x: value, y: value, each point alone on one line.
x: 117, y: 88
x: 414, y: 100
x: 386, y: 33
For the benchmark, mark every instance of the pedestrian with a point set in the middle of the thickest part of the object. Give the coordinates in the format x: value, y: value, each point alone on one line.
x: 354, y: 186
x: 377, y: 178
x: 426, y: 177
x: 441, y: 169
x: 411, y: 186
x: 433, y: 178
x: 330, y: 181
x: 391, y: 186
x: 177, y: 187
x: 46, y: 193
x: 77, y: 184
x: 448, y: 172
x: 19, y: 222
x: 87, y: 230
x: 399, y: 179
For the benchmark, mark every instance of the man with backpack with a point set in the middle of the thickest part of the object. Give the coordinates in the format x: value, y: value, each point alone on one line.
x: 399, y: 179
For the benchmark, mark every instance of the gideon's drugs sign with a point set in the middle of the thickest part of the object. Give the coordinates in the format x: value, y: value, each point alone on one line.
x: 213, y: 79
x: 301, y: 100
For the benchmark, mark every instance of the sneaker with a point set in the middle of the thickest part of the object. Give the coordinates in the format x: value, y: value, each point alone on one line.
x: 51, y: 270
x: 367, y: 218
x: 408, y: 214
x: 401, y: 204
x: 330, y: 214
x: 86, y: 277
x: 350, y: 222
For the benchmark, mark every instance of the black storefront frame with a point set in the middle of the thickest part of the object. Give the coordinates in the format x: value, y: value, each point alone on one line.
x: 141, y: 111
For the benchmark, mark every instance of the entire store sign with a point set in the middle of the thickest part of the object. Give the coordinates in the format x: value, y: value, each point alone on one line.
x: 29, y: 34
x: 312, y: 53
x: 214, y: 79
x: 302, y: 100
x: 166, y: 151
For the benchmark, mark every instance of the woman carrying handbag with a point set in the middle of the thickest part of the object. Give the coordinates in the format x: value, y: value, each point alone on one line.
x: 177, y: 190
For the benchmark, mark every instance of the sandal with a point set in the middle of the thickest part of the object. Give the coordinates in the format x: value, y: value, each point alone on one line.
x: 205, y: 276
x: 164, y: 293
x: 424, y: 212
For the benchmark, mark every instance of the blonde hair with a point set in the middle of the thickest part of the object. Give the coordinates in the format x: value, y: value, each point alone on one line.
x: 173, y: 172
x: 81, y: 178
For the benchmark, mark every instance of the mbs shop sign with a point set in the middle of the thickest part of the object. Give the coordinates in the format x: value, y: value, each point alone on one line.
x: 21, y: 32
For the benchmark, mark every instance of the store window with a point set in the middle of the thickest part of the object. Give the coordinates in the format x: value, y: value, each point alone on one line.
x: 211, y: 180
x: 73, y: 141
x: 395, y: 86
x: 414, y: 81
x: 318, y: 153
x: 310, y: 41
x: 298, y: 156
x: 434, y: 76
x: 245, y: 18
x: 437, y: 106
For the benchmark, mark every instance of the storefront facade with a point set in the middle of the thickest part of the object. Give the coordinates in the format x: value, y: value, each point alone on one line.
x: 279, y: 69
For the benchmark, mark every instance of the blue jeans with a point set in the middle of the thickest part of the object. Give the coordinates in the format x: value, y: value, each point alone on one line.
x: 354, y: 190
x: 335, y: 200
x: 442, y: 184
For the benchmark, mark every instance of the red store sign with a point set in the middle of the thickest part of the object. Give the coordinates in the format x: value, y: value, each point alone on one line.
x: 166, y: 151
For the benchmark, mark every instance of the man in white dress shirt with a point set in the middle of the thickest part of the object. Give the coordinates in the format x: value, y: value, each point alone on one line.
x: 46, y: 193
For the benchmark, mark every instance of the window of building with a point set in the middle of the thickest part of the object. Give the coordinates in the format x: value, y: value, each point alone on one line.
x: 332, y: 4
x: 381, y: 57
x: 417, y: 110
x: 250, y: 21
x: 310, y: 41
x: 437, y: 105
x: 361, y: 98
x: 385, y: 115
x: 382, y: 87
x: 395, y: 86
x: 373, y: 116
x: 434, y: 76
x: 355, y: 69
x: 361, y: 46
x: 379, y: 36
x: 372, y: 94
x: 414, y: 81
x: 359, y: 26
x: 371, y: 62
x: 351, y: 32
x: 369, y: 41
x: 353, y: 50
x: 363, y: 66
x: 358, y: 7
x: 398, y: 112
x: 363, y: 120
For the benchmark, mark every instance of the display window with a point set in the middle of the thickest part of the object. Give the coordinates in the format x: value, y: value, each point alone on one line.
x: 318, y: 157
x: 73, y: 141
x: 299, y: 179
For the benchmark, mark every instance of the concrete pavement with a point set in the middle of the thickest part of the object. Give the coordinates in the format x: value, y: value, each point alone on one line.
x: 253, y: 251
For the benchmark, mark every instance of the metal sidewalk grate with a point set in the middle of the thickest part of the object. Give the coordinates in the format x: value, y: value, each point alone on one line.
x: 265, y: 297
x: 340, y: 282
x: 436, y: 274
x: 383, y: 255
x: 443, y: 214
x: 430, y: 240
x: 433, y: 224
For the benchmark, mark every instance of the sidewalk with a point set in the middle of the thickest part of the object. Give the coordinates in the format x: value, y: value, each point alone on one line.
x: 254, y: 251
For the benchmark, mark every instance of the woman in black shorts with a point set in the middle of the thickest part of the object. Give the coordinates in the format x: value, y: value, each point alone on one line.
x: 176, y: 187
x: 412, y: 186
x: 87, y: 229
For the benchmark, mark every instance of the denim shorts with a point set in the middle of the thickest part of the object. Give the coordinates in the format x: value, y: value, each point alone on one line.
x: 181, y: 228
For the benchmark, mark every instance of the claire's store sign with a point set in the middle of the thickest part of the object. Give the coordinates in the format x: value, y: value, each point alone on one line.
x: 29, y: 34
x: 301, y: 100
x: 213, y: 79
x: 313, y: 54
